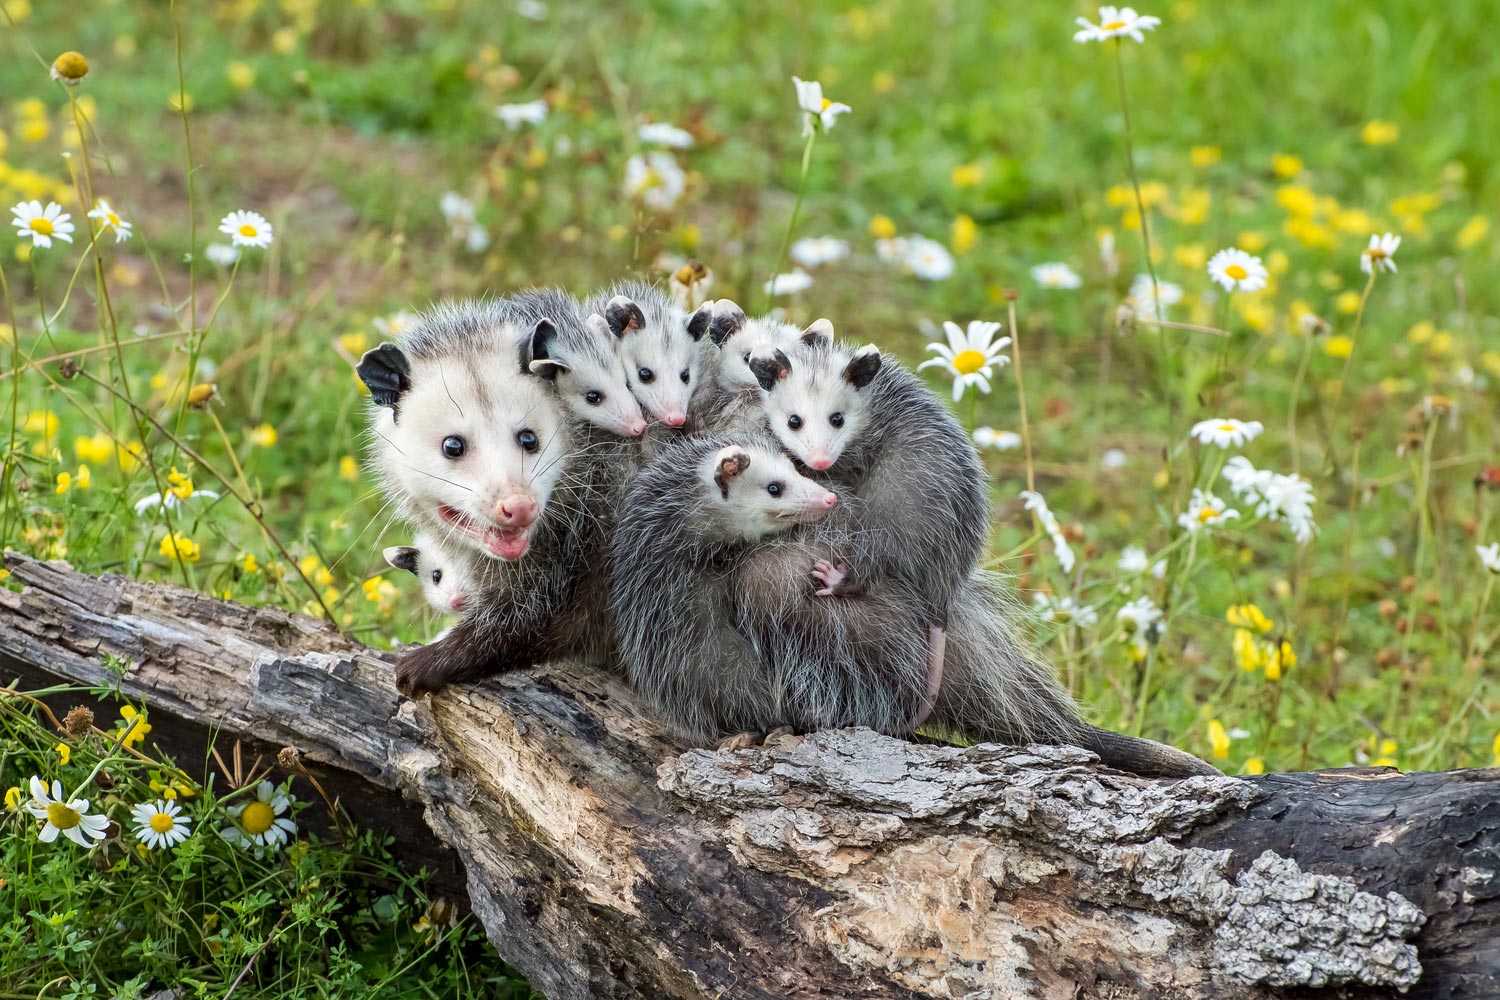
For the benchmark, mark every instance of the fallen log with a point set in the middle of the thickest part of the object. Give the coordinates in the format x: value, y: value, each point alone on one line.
x: 605, y: 860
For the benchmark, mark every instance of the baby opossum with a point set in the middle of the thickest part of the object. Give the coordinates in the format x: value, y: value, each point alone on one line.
x: 474, y: 447
x: 697, y: 536
x: 447, y: 575
x: 660, y: 347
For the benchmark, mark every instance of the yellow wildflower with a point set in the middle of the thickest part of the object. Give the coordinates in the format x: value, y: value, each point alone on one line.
x: 1421, y: 332
x: 1254, y: 765
x: 130, y: 455
x: 1297, y: 200
x: 965, y: 234
x: 13, y: 798
x: 1347, y: 302
x: 1286, y: 165
x: 1495, y: 751
x: 882, y: 228
x: 1191, y: 256
x: 1338, y: 346
x: 1416, y: 204
x: 967, y: 175
x: 179, y: 485
x: 180, y: 102
x: 179, y: 546
x: 354, y: 343
x: 64, y: 483
x: 1309, y: 233
x: 1379, y: 133
x: 1282, y: 658
x: 1247, y: 651
x: 84, y: 478
x: 348, y: 468
x: 1472, y: 232
x: 1251, y: 241
x: 883, y: 82
x: 97, y: 449
x: 1205, y: 156
x: 263, y: 436
x: 1387, y: 756
x: 1277, y: 262
x: 43, y: 422
x: 1249, y: 616
x: 64, y: 753
x: 371, y: 587
x: 1193, y: 208
x: 241, y: 75
x: 1218, y: 739
x: 135, y: 727
x: 1354, y: 221
x: 248, y: 564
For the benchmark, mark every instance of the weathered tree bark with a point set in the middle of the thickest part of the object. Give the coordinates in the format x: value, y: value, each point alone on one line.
x: 607, y: 861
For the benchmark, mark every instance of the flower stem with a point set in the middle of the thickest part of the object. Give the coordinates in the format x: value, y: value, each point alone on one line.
x: 1135, y: 183
x: 1338, y: 391
x: 786, y: 240
x: 1015, y: 355
x: 1291, y: 413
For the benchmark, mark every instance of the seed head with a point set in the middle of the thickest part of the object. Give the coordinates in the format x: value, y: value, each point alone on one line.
x: 289, y: 758
x: 68, y: 369
x: 200, y: 394
x: 78, y: 721
x: 70, y: 68
x: 1125, y: 319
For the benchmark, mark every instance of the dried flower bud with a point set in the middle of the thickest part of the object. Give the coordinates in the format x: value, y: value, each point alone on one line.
x: 440, y: 912
x: 1314, y: 326
x: 1388, y: 608
x: 1010, y: 294
x: 68, y: 369
x: 78, y: 721
x: 104, y: 780
x: 290, y: 758
x: 200, y: 394
x: 70, y: 68
x: 1125, y: 319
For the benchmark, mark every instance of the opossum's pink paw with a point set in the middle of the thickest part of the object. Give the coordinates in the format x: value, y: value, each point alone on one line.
x: 742, y: 741
x: 831, y: 578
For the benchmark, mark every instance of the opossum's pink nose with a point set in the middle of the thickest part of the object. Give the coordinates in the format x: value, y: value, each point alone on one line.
x: 635, y: 428
x: 674, y: 418
x: 516, y: 511
x: 829, y: 499
x: 819, y: 462
x: 456, y: 602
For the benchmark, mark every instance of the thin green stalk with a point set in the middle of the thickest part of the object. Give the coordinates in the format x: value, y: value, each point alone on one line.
x: 1015, y: 355
x: 1291, y: 413
x: 786, y: 240
x: 1135, y: 183
x: 1424, y: 512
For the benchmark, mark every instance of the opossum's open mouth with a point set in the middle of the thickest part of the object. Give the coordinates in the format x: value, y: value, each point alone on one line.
x: 502, y: 543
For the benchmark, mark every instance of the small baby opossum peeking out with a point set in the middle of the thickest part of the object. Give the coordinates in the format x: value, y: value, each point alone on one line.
x: 660, y: 347
x: 447, y: 575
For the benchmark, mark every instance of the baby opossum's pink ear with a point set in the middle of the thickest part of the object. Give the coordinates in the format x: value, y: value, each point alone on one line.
x: 386, y: 373
x: 769, y: 371
x: 818, y: 334
x: 728, y: 463
x: 862, y: 368
x: 402, y: 557
x: 698, y: 322
x: 623, y: 315
x: 535, y: 351
x: 728, y: 320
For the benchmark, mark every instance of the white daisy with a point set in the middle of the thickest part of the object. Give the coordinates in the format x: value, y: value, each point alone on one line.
x: 970, y: 357
x: 161, y: 823
x: 663, y: 134
x: 222, y: 254
x: 656, y: 179
x: 1204, y: 511
x: 1380, y: 254
x: 70, y: 818
x: 927, y: 259
x: 1237, y: 271
x: 1133, y: 559
x: 1489, y: 556
x: 1065, y: 610
x: 790, y: 284
x: 988, y: 437
x: 814, y: 250
x: 260, y: 824
x: 1227, y: 432
x: 1115, y: 22
x: 516, y: 115
x: 532, y: 10
x: 1114, y: 458
x: 154, y: 501
x: 1140, y: 617
x: 463, y: 222
x: 1038, y: 506
x: 42, y: 224
x: 1145, y: 296
x: 1276, y: 497
x: 816, y: 108
x: 247, y: 229
x: 1056, y: 275
x: 110, y: 219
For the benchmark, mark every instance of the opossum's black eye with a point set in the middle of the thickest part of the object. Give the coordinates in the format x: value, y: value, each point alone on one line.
x: 527, y: 439
x: 593, y: 397
x: 747, y: 357
x: 774, y: 489
x: 836, y: 419
x: 794, y: 422
x: 437, y: 576
x: 647, y: 376
x: 453, y: 446
x: 685, y: 375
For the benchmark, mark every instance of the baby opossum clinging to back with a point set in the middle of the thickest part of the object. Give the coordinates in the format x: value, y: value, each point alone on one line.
x: 660, y: 348
x: 447, y: 575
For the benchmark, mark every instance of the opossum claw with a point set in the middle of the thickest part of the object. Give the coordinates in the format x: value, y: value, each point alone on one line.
x: 833, y: 577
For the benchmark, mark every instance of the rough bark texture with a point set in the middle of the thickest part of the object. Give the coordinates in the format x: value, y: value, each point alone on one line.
x: 605, y: 860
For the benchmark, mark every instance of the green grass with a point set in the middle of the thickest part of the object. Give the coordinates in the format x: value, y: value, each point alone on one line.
x: 361, y: 116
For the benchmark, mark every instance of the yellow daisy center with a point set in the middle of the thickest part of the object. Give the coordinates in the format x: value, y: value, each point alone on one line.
x: 1112, y: 25
x: 1208, y: 514
x: 161, y: 823
x: 63, y: 817
x: 1376, y: 252
x: 114, y: 220
x: 1228, y: 428
x: 826, y: 102
x: 43, y: 226
x: 1237, y: 272
x: 968, y: 362
x: 257, y: 817
x: 248, y: 230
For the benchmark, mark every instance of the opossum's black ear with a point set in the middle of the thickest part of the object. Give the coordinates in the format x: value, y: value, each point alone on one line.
x: 402, y: 557
x: 728, y: 319
x: 623, y: 315
x: 769, y: 371
x: 698, y: 322
x: 535, y: 350
x: 386, y: 373
x: 818, y: 334
x: 728, y: 463
x: 863, y: 366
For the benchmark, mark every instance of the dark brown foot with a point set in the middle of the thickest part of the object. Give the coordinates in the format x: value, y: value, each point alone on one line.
x: 465, y: 653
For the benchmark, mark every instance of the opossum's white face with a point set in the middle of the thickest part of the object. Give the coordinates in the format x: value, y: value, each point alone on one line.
x: 447, y: 576
x: 468, y: 445
x: 757, y: 338
x: 759, y: 492
x: 587, y: 377
x: 816, y: 400
x: 662, y: 356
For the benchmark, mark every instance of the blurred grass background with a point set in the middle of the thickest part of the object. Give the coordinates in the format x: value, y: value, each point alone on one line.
x: 979, y: 125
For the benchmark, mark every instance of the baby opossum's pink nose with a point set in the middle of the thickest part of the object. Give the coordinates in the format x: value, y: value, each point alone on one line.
x: 456, y: 602
x: 829, y: 499
x: 516, y: 511
x: 636, y: 428
x: 819, y: 462
x: 674, y: 418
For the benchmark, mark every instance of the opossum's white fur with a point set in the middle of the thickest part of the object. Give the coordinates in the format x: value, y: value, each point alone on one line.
x: 663, y: 361
x: 741, y: 339
x: 447, y: 575
x: 580, y: 359
x: 465, y: 383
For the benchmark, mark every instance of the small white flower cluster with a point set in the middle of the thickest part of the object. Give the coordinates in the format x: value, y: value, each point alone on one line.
x: 516, y: 115
x: 925, y: 258
x: 1038, y: 506
x: 814, y: 250
x: 1205, y: 511
x: 655, y: 179
x: 794, y: 281
x: 1133, y: 561
x: 1065, y: 610
x: 1141, y: 621
x: 1056, y: 275
x: 463, y: 223
x: 1276, y: 497
x: 1489, y: 556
